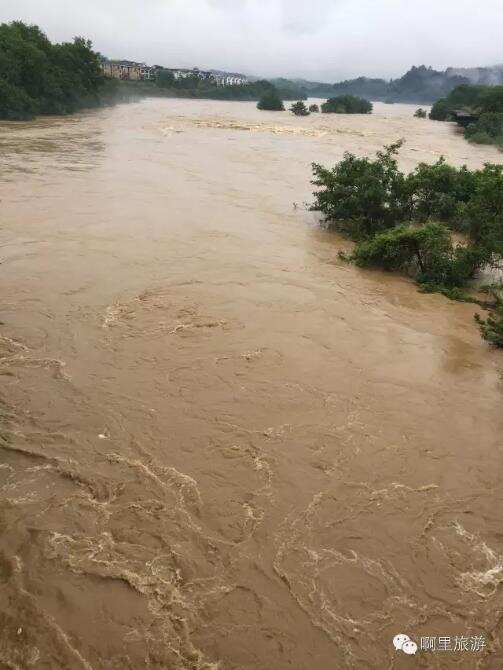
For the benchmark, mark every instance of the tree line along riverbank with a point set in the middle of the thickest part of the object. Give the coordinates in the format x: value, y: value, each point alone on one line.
x: 38, y: 77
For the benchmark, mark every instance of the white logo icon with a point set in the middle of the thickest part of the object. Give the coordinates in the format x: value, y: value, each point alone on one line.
x: 409, y: 647
x: 404, y: 643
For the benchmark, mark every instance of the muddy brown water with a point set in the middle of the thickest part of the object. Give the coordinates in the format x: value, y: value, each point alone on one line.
x: 221, y: 446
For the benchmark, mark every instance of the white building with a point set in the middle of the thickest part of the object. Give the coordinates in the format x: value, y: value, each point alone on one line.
x: 132, y: 70
x: 183, y: 73
x: 228, y: 79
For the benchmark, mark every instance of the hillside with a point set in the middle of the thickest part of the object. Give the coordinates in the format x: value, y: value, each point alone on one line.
x: 421, y: 84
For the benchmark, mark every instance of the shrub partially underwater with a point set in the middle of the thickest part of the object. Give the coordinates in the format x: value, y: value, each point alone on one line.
x: 405, y: 223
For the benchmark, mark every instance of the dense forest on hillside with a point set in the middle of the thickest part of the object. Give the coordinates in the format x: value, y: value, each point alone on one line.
x: 479, y: 109
x: 422, y: 85
x: 38, y: 77
x: 404, y: 222
x: 418, y: 85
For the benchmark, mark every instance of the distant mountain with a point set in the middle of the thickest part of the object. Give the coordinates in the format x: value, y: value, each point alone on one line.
x: 314, y: 89
x: 420, y: 85
x: 486, y: 76
x: 364, y: 87
x: 424, y: 84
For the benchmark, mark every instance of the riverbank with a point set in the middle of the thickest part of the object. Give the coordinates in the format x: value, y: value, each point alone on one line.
x: 246, y: 93
x: 43, y: 78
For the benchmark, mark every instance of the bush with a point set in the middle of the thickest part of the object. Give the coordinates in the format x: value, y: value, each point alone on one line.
x: 395, y: 220
x: 484, y: 211
x: 440, y: 111
x: 464, y: 264
x: 314, y: 109
x: 426, y: 252
x: 487, y: 130
x: 491, y: 329
x: 440, y: 192
x: 360, y: 196
x: 404, y: 247
x: 491, y: 123
x: 299, y: 109
x: 346, y: 104
x: 271, y: 102
x: 420, y: 113
x: 478, y: 136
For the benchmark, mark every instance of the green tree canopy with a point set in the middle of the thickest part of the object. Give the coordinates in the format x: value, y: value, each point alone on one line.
x: 362, y: 196
x: 37, y: 77
x: 483, y: 108
x: 404, y: 222
x: 492, y: 327
x: 299, y: 109
x: 165, y: 79
x: 346, y: 104
x: 271, y: 102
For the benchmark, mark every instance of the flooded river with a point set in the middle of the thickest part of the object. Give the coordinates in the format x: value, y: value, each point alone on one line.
x: 222, y: 447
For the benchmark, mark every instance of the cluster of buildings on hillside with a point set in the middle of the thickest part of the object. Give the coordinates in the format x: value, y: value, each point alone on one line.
x: 125, y: 69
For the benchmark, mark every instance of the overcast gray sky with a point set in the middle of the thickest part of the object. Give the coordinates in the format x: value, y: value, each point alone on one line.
x: 326, y: 40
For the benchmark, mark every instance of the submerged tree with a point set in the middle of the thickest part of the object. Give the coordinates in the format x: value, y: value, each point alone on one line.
x: 492, y: 328
x: 361, y: 196
x: 271, y: 101
x: 346, y: 104
x: 314, y: 109
x: 420, y: 113
x: 404, y: 222
x: 299, y: 109
x: 38, y: 77
x: 426, y: 252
